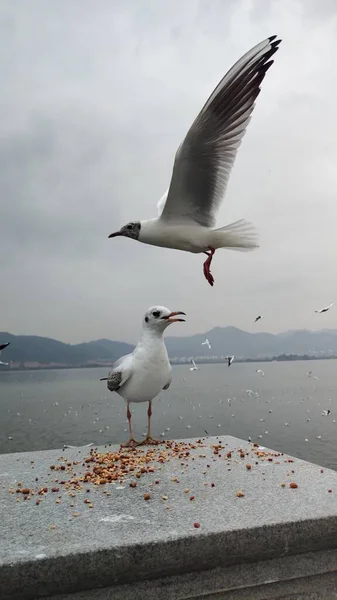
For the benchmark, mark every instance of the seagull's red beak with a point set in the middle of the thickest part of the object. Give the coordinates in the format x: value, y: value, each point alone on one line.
x: 115, y: 234
x: 174, y: 314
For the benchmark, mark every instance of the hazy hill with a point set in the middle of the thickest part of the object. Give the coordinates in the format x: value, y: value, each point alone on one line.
x: 45, y: 350
x: 224, y: 341
x: 231, y: 340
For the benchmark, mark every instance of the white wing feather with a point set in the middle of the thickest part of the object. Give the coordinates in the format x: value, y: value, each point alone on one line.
x: 161, y: 203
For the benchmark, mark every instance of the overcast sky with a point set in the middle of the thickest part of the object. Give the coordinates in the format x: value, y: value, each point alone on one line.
x: 95, y: 99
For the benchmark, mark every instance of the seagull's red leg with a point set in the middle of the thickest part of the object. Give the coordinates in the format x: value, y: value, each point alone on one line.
x: 132, y: 442
x: 207, y: 264
x: 149, y: 439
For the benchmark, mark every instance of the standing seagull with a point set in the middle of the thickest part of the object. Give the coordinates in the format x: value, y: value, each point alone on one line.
x: 2, y: 347
x: 323, y: 310
x: 202, y: 167
x: 258, y: 318
x: 141, y: 375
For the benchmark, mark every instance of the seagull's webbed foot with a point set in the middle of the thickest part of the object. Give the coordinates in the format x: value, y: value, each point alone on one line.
x: 131, y: 443
x: 207, y: 273
x: 149, y: 441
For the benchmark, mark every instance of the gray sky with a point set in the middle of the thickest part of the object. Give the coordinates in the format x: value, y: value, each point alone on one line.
x: 95, y: 99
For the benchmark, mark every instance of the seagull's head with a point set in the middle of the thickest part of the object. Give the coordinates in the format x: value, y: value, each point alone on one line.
x: 130, y: 230
x: 158, y: 318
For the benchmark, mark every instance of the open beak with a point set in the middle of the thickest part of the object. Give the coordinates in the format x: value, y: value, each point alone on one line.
x: 174, y: 314
x: 115, y: 234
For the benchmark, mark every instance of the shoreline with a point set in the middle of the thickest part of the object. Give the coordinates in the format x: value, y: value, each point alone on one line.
x: 201, y: 361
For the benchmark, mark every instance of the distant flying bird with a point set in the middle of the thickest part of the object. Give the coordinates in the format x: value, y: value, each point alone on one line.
x: 194, y: 368
x: 206, y: 343
x: 323, y: 310
x: 202, y: 167
x: 258, y: 318
x: 230, y: 360
x: 325, y: 413
x: 2, y: 347
x: 260, y: 372
x: 141, y: 375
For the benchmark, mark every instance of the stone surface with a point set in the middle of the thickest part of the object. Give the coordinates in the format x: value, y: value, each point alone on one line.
x: 310, y: 576
x: 124, y: 540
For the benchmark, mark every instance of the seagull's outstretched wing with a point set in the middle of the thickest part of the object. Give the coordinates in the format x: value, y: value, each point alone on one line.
x: 204, y: 160
x: 321, y: 310
x: 120, y: 373
x: 2, y: 347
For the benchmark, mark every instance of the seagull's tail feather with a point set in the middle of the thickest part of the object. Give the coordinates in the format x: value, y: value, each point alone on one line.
x: 239, y: 235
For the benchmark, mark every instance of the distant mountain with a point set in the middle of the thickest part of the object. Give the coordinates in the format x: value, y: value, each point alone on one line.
x: 224, y: 340
x: 231, y: 340
x: 31, y: 348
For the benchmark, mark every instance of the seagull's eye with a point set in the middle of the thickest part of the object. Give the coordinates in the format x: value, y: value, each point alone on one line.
x: 129, y: 226
x: 156, y: 314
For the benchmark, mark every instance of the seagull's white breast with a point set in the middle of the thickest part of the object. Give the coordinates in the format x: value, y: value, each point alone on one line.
x: 186, y: 235
x: 151, y: 370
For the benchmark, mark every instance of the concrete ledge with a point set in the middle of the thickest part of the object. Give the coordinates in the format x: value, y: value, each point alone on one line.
x: 273, y: 542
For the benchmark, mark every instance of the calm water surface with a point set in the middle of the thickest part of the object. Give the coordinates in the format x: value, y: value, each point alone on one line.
x: 45, y: 409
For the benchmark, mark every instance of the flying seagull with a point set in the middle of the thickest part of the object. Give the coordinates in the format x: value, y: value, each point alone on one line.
x: 230, y: 360
x: 325, y: 309
x: 258, y: 318
x: 202, y: 167
x: 2, y: 347
x: 194, y: 367
x: 141, y: 375
x: 206, y: 343
x: 260, y: 372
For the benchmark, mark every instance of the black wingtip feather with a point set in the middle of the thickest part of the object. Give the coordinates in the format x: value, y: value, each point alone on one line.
x: 268, y: 65
x: 268, y: 54
x: 275, y: 44
x: 272, y: 38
